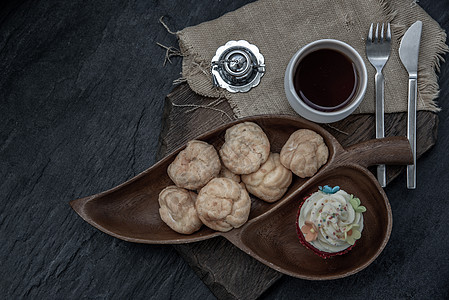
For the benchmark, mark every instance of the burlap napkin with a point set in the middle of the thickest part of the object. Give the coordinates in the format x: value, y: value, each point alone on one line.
x: 280, y: 28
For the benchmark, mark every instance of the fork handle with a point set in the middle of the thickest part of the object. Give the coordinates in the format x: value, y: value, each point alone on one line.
x: 380, y: 82
x: 411, y: 131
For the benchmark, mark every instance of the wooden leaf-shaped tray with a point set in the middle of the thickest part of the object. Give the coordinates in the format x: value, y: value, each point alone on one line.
x: 130, y: 211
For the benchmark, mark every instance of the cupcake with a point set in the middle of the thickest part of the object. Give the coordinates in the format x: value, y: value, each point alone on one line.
x: 330, y: 221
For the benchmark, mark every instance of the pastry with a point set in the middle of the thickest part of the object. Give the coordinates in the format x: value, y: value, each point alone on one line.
x: 245, y: 149
x: 223, y: 204
x: 194, y: 166
x: 271, y: 181
x: 177, y: 209
x: 330, y: 221
x: 304, y: 153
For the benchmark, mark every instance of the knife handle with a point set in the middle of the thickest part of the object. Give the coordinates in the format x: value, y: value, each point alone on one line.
x: 411, y: 131
x: 380, y: 131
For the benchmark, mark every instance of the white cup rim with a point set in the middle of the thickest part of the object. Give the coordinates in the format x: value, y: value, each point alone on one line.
x: 309, y: 112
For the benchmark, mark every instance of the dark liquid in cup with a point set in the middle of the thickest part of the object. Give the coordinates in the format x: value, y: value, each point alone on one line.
x: 326, y: 79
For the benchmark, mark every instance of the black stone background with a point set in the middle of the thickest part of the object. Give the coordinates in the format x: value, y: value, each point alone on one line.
x: 82, y: 88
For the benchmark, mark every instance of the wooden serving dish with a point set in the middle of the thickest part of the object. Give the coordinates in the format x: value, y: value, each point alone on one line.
x: 130, y: 211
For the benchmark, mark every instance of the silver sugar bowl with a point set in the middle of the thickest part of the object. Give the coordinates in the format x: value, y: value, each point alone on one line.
x: 237, y: 66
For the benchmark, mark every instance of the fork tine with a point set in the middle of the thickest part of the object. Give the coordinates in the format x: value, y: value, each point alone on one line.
x: 370, y: 34
x: 388, y: 33
x: 382, y: 33
x: 376, y: 36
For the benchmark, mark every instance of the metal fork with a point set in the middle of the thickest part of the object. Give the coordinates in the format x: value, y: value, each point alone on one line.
x: 378, y: 52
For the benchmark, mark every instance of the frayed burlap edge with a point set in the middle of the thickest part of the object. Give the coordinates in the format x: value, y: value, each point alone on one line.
x: 193, y: 64
x: 197, y: 66
x: 428, y: 86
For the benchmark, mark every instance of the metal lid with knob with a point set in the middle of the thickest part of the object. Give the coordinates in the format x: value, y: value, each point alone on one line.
x: 237, y: 66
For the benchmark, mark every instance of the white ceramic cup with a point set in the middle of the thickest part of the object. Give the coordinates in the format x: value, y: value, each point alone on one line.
x: 305, y: 110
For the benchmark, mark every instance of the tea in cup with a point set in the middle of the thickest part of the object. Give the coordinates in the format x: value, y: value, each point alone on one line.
x: 325, y: 81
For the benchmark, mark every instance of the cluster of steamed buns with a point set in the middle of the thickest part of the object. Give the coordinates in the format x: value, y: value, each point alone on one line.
x: 247, y: 166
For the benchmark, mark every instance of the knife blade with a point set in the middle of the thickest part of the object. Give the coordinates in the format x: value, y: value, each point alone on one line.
x: 408, y: 53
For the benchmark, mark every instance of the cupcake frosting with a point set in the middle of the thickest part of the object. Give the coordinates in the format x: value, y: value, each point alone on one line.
x: 331, y: 219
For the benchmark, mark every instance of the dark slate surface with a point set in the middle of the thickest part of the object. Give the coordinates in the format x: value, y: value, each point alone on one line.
x: 82, y: 89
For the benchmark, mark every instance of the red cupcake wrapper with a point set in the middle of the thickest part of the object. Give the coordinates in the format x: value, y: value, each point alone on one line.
x: 303, y: 241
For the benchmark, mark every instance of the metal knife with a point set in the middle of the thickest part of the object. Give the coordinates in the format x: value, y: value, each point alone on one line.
x: 408, y: 52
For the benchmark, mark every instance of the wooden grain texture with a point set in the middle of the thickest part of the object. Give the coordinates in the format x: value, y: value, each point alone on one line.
x: 82, y: 94
x: 130, y: 211
x: 181, y: 124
